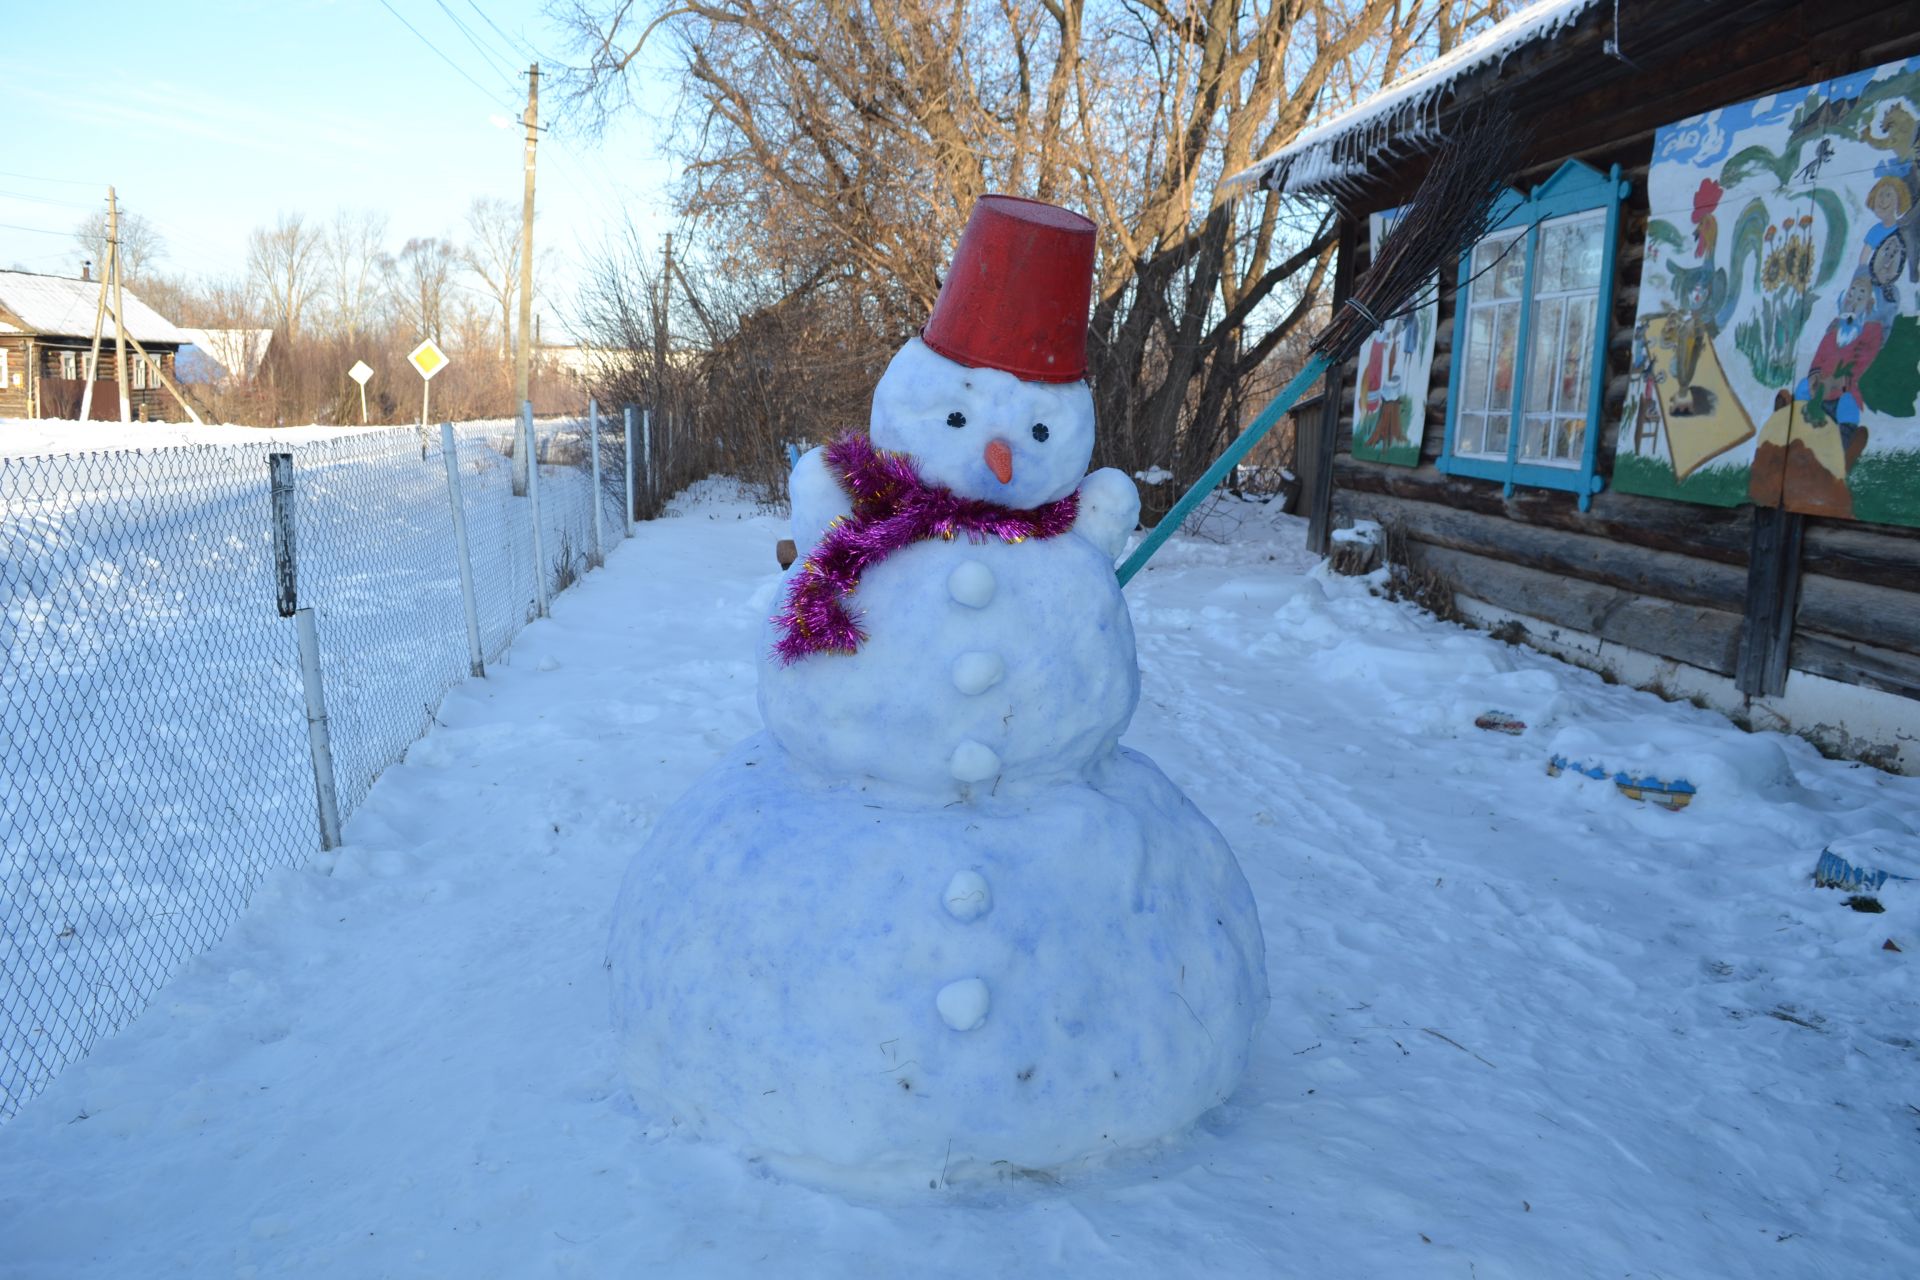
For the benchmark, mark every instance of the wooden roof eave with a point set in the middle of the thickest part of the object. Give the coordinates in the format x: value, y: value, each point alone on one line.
x: 1547, y: 74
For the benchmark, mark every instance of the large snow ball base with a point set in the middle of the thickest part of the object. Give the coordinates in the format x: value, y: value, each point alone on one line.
x: 861, y: 985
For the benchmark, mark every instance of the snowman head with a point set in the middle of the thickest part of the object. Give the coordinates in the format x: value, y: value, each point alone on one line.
x: 984, y: 433
x: 991, y: 400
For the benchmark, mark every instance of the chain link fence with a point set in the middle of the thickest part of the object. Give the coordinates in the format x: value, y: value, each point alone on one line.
x: 154, y: 751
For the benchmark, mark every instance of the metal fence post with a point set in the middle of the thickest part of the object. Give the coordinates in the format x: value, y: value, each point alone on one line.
x: 593, y: 442
x: 533, y: 495
x: 287, y: 593
x: 476, y: 658
x: 646, y: 452
x: 627, y: 451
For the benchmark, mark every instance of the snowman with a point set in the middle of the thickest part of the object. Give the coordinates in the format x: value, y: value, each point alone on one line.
x: 935, y: 925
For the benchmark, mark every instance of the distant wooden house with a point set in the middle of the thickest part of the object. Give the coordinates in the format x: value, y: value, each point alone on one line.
x: 1665, y: 419
x: 46, y: 337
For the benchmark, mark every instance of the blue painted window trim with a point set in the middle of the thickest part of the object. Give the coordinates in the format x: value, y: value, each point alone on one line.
x: 1574, y: 188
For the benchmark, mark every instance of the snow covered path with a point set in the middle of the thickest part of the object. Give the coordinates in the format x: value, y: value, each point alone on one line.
x: 1522, y: 1026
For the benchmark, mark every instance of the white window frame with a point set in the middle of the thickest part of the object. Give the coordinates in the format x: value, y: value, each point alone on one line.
x: 1555, y: 416
x: 1576, y: 191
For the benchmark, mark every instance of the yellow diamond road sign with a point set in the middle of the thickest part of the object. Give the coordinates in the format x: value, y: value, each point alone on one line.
x: 428, y: 358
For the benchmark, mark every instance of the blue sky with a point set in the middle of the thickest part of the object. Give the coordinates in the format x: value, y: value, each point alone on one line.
x: 213, y: 118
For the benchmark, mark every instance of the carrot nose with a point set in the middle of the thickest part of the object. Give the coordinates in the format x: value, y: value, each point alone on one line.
x: 1000, y: 458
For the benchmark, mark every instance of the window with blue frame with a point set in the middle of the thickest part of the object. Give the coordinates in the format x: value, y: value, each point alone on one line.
x: 1529, y: 369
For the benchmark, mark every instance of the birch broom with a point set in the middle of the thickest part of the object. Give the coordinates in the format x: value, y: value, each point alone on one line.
x: 1449, y: 214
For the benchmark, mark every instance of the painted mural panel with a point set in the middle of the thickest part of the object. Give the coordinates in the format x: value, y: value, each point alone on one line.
x: 1776, y: 354
x: 1390, y: 393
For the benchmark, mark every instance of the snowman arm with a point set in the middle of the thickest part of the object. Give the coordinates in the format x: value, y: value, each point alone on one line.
x: 816, y: 497
x: 1109, y: 510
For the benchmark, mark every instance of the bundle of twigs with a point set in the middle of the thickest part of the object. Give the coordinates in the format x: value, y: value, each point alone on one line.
x: 1449, y: 214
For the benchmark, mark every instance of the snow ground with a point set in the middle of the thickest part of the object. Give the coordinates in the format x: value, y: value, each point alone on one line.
x: 1522, y: 1026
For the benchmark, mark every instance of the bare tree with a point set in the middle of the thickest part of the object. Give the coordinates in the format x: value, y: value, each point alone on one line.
x: 421, y: 282
x: 353, y: 252
x: 210, y: 302
x: 283, y: 271
x: 142, y: 247
x: 492, y: 256
x: 846, y: 144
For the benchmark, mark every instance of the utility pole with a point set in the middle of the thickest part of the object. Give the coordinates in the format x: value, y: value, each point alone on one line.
x: 523, y: 353
x: 119, y: 305
x: 99, y: 319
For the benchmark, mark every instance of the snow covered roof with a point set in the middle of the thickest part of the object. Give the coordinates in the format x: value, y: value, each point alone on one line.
x: 1341, y: 151
x: 238, y: 352
x: 62, y: 307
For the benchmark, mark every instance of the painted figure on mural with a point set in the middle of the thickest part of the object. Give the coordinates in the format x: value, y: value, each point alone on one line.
x: 1698, y: 293
x: 1885, y: 251
x: 1384, y: 379
x: 1641, y: 420
x: 1815, y: 465
x: 1831, y: 389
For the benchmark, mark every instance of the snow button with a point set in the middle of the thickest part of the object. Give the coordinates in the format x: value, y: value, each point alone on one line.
x: 967, y: 897
x: 977, y: 671
x: 963, y: 1004
x: 974, y: 761
x: 971, y: 584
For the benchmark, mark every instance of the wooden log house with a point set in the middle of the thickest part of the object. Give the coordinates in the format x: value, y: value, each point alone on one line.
x: 1644, y: 440
x: 46, y: 338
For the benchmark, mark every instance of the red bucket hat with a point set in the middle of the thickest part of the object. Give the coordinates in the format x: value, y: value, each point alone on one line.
x: 1017, y: 295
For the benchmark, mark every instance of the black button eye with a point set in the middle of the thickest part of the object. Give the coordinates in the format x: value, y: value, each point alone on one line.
x: 1039, y: 431
x: 956, y: 419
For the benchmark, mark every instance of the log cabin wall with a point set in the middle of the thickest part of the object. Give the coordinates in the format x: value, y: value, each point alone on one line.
x: 60, y: 395
x: 1671, y: 579
x: 14, y: 357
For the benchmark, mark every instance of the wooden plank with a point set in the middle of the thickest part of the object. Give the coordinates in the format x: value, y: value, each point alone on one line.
x: 1884, y: 555
x: 1772, y: 592
x: 1704, y: 638
x: 1884, y: 617
x: 1853, y: 663
x: 1707, y: 533
x: 1759, y: 52
x: 1576, y: 556
x: 286, y: 589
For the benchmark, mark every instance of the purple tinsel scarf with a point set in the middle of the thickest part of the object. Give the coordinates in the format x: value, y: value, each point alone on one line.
x: 892, y: 508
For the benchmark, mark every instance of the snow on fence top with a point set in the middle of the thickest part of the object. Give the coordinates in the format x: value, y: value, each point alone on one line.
x: 1339, y: 152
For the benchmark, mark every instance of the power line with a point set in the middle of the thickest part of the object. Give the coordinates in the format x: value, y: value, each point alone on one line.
x: 486, y: 54
x: 521, y: 45
x: 65, y: 182
x: 39, y: 231
x: 21, y: 195
x: 442, y: 55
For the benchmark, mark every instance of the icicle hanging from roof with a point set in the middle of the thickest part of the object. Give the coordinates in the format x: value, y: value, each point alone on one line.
x: 1403, y: 119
